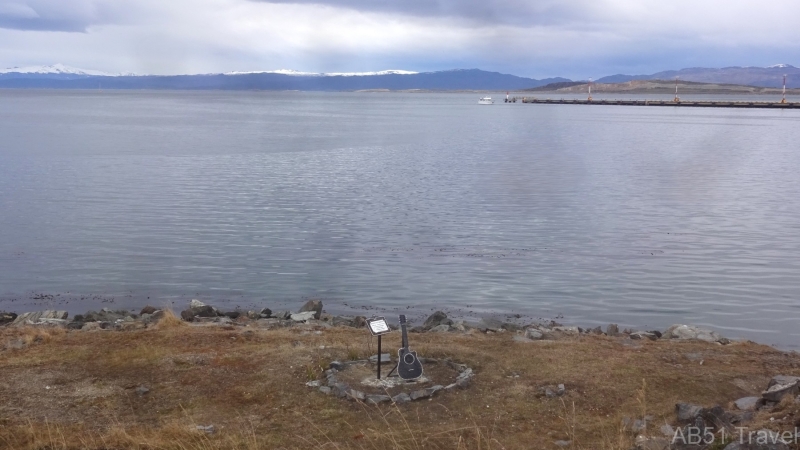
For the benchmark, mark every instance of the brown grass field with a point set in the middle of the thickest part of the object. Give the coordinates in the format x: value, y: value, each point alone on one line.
x: 75, y: 389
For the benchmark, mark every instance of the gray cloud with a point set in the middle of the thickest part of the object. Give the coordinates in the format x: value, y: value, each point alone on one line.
x: 57, y: 15
x: 512, y: 12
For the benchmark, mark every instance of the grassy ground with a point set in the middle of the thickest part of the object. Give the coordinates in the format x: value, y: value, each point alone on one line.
x: 64, y: 390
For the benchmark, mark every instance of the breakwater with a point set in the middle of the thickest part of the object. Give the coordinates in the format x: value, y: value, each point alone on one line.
x: 693, y: 104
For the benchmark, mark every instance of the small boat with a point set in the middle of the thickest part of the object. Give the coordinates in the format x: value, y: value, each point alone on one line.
x: 485, y: 101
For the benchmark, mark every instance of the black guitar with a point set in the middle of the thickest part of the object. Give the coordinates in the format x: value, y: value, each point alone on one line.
x: 408, y: 367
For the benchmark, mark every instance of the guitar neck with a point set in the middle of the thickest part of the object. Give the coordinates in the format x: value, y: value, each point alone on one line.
x: 405, y: 335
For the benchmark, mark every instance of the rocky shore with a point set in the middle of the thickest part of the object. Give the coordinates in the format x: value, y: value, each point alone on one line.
x: 682, y: 388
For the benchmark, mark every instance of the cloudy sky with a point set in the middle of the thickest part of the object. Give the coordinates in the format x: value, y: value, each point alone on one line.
x: 537, y: 38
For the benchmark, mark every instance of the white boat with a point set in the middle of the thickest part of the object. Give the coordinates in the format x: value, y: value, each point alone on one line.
x: 485, y: 101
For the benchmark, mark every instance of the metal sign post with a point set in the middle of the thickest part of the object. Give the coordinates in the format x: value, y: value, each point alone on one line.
x: 378, y: 327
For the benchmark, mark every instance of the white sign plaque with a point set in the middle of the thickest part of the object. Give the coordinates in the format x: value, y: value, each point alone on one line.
x: 378, y: 326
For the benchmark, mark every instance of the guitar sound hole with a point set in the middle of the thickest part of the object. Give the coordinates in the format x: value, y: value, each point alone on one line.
x: 408, y: 359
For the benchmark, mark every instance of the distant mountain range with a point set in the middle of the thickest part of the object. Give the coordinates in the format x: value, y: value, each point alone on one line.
x: 59, y: 76
x: 64, y: 77
x: 771, y: 76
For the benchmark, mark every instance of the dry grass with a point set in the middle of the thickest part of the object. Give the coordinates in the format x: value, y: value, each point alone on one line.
x: 71, y: 390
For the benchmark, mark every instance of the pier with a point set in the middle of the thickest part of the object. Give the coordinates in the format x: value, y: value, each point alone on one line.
x: 691, y: 104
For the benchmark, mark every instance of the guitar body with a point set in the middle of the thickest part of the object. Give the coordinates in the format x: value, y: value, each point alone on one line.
x: 409, y: 366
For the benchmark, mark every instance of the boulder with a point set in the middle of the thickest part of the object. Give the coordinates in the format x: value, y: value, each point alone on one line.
x: 443, y: 328
x: 776, y: 392
x: 377, y: 399
x: 434, y: 320
x: 418, y: 394
x: 232, y: 314
x: 534, y: 334
x: 686, y: 412
x: 75, y: 325
x: 147, y: 310
x: 401, y: 398
x: 612, y: 329
x: 303, y: 316
x: 7, y: 317
x: 782, y: 379
x: 39, y: 316
x: 693, y: 333
x: 644, y: 335
x: 266, y: 313
x: 489, y: 324
x: 567, y: 330
x: 187, y: 315
x: 196, y: 304
x: 314, y: 306
x: 747, y: 403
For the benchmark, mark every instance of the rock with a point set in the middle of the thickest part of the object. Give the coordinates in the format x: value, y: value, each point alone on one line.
x: 354, y: 394
x: 401, y: 398
x: 434, y: 320
x: 75, y: 325
x: 561, y: 390
x: 747, y: 403
x: 421, y: 393
x: 693, y: 333
x: 7, y: 317
x: 644, y: 335
x: 596, y: 330
x: 336, y: 365
x: 141, y: 390
x: 434, y: 389
x: 187, y: 315
x: 612, y: 329
x: 325, y: 390
x: 489, y: 324
x: 147, y: 310
x: 303, y: 316
x: 667, y: 430
x: 718, y: 417
x: 266, y: 313
x: 563, y: 444
x: 315, y: 383
x: 314, y: 306
x: 634, y: 426
x: 29, y: 318
x: 534, y: 334
x: 205, y: 311
x: 206, y: 429
x: 776, y: 392
x: 377, y: 399
x: 91, y: 326
x: 196, y: 304
x: 440, y: 328
x: 782, y: 379
x: 687, y: 412
x: 568, y: 330
x: 549, y: 393
x: 233, y: 314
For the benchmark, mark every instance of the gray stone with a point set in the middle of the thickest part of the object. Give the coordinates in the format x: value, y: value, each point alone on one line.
x: 667, y: 430
x: 377, y: 399
x: 567, y: 330
x: 534, y: 334
x: 7, y: 317
x: 563, y: 444
x: 549, y: 393
x: 777, y: 391
x: 91, y: 326
x: 418, y: 394
x: 634, y: 425
x: 340, y: 389
x: 325, y: 390
x: 612, y: 329
x: 314, y: 383
x: 265, y: 313
x: 693, y: 333
x: 196, y: 304
x: 314, y: 306
x: 450, y: 387
x: 141, y: 390
x: 303, y: 316
x: 489, y: 324
x: 147, y: 310
x: 233, y: 314
x: 39, y: 316
x: 561, y: 390
x: 596, y: 330
x: 187, y: 315
x: 206, y: 429
x: 434, y: 320
x: 336, y: 365
x: 686, y: 412
x: 440, y: 328
x: 747, y: 403
x: 644, y: 335
x: 402, y: 398
x: 356, y: 395
x: 782, y: 379
x: 75, y: 325
x: 434, y: 389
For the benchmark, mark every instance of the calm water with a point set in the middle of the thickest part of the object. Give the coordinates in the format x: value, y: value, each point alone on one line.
x: 640, y: 216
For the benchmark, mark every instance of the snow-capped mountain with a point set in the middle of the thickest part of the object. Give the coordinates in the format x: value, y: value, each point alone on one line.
x: 781, y: 66
x: 324, y: 74
x: 61, y: 69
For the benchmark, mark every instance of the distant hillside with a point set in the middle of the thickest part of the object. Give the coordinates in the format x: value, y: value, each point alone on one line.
x: 664, y: 87
x: 750, y: 76
x: 555, y: 86
x: 470, y: 79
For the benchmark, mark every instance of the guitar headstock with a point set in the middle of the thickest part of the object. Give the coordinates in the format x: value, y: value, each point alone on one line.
x: 402, y: 319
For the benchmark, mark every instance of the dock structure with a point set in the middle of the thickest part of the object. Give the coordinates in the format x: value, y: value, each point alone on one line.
x: 673, y: 103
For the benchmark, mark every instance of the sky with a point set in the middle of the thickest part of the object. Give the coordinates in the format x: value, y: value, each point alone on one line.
x: 577, y: 39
